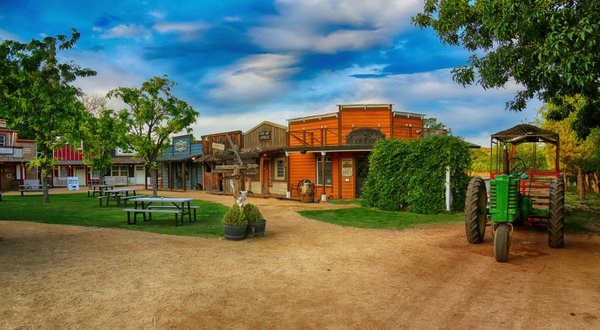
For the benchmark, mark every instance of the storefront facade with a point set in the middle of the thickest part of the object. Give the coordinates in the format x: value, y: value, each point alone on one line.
x: 15, y: 154
x: 178, y: 169
x: 332, y: 149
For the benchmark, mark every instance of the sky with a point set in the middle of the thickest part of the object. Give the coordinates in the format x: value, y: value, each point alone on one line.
x: 239, y: 62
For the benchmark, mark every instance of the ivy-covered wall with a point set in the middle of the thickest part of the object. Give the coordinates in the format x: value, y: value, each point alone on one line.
x: 411, y: 175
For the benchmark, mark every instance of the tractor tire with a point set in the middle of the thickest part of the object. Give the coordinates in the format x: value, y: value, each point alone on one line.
x: 556, y: 221
x: 476, y: 211
x: 501, y: 243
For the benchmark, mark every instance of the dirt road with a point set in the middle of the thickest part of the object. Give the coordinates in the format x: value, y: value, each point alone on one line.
x: 303, y: 274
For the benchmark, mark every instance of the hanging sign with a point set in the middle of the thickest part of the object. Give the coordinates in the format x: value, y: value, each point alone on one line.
x: 218, y: 146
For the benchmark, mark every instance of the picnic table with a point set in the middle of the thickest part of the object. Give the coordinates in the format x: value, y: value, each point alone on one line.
x: 118, y: 195
x: 99, y: 188
x: 180, y: 207
x: 30, y: 187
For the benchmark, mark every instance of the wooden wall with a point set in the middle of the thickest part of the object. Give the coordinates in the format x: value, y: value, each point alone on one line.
x: 354, y: 118
x: 207, y: 141
x: 314, y: 132
x: 277, y: 137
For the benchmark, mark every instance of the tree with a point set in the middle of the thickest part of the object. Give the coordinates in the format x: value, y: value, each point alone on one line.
x: 575, y: 154
x: 550, y: 47
x: 103, y: 132
x: 153, y: 114
x: 36, y: 92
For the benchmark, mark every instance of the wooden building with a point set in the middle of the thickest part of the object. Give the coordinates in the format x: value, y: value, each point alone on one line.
x: 178, y: 170
x: 69, y: 163
x: 266, y: 142
x: 15, y: 154
x: 217, y: 152
x: 332, y: 149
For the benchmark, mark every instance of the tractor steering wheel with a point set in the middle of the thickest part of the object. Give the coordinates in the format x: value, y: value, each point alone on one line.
x: 518, y: 168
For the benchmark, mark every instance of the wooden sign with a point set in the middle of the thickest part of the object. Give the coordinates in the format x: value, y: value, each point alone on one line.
x: 218, y: 146
x: 347, y: 167
x: 2, y: 123
x: 264, y: 135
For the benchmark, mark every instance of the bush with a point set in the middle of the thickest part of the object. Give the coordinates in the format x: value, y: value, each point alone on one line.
x: 412, y: 174
x: 234, y: 217
x: 251, y: 213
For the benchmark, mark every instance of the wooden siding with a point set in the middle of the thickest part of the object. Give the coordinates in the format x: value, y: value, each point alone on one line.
x: 207, y: 141
x: 352, y: 119
x: 277, y: 139
x: 302, y: 166
x: 314, y: 132
x: 68, y: 153
x: 407, y: 128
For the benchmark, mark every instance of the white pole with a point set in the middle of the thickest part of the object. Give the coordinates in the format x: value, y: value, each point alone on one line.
x: 448, y: 191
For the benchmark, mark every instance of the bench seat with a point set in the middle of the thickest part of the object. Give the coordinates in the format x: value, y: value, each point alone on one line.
x: 178, y: 220
x: 192, y: 207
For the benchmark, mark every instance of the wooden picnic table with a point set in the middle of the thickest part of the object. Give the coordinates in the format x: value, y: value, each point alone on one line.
x: 99, y: 188
x: 117, y: 194
x: 178, y: 206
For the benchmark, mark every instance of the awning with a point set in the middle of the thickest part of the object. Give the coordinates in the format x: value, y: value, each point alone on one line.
x: 348, y: 148
x: 118, y: 160
x: 178, y: 158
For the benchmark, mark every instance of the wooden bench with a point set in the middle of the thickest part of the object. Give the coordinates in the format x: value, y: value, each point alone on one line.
x: 178, y: 220
x: 192, y: 207
x: 30, y: 188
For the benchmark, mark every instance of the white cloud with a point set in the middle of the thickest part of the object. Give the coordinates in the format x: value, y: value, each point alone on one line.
x: 5, y: 35
x: 126, y: 31
x: 330, y: 26
x: 186, y: 31
x: 156, y: 14
x: 254, y: 78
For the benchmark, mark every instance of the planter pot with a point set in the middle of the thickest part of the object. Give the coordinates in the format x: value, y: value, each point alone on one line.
x: 235, y: 233
x: 256, y: 229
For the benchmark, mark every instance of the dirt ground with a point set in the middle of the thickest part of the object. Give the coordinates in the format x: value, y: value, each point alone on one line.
x: 303, y: 274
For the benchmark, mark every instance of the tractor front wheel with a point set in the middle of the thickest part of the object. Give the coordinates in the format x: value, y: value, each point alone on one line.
x: 556, y: 221
x: 475, y: 211
x: 502, y: 243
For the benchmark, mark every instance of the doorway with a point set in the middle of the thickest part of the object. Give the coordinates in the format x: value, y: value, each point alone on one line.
x: 266, y: 171
x: 362, y: 171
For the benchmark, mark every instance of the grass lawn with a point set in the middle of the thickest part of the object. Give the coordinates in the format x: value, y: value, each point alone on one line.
x: 81, y: 210
x: 366, y: 217
x: 580, y: 215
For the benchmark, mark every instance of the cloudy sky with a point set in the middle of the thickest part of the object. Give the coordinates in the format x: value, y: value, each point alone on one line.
x: 239, y: 62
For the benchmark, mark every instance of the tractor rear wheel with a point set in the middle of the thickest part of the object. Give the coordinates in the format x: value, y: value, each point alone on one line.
x: 501, y: 243
x: 556, y: 221
x: 475, y: 211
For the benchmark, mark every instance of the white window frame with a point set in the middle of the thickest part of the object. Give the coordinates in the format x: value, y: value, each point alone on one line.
x: 328, y: 168
x: 2, y: 140
x: 276, y: 169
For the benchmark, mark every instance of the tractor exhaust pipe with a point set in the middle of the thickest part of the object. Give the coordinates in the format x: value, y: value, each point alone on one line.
x: 505, y: 160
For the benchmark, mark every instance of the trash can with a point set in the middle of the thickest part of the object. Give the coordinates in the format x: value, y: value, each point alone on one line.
x: 306, y: 191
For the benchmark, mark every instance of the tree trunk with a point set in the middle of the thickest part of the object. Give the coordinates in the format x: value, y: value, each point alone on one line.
x: 580, y: 182
x: 154, y: 174
x: 595, y: 184
x: 45, y: 187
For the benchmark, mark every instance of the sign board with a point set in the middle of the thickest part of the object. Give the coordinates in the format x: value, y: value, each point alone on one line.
x: 347, y: 167
x: 264, y: 135
x: 218, y: 146
x: 72, y: 183
x: 6, y: 151
x: 181, y: 145
x: 2, y: 123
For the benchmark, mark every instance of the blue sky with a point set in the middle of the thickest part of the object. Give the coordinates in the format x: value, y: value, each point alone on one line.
x: 238, y: 62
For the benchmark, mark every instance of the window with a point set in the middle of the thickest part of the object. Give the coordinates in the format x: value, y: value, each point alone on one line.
x: 280, y: 169
x: 119, y: 170
x: 62, y: 172
x: 328, y: 171
x: 2, y: 140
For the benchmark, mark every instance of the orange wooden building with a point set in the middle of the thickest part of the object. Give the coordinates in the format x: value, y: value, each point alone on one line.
x: 332, y: 149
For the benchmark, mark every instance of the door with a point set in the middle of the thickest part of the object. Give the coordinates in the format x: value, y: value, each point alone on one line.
x: 362, y: 171
x: 140, y: 174
x: 80, y: 174
x: 266, y: 176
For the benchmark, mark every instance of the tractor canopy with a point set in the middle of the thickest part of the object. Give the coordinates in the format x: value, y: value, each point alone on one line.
x: 526, y: 133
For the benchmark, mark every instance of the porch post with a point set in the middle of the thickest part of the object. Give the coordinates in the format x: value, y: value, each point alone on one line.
x: 323, y: 153
x: 184, y: 177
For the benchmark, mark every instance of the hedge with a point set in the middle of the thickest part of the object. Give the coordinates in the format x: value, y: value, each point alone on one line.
x: 411, y: 175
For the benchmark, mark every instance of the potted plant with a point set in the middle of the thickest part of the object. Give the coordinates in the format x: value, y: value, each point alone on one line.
x: 234, y: 224
x: 256, y: 222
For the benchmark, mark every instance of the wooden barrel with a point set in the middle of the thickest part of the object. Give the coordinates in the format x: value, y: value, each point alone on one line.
x: 306, y: 191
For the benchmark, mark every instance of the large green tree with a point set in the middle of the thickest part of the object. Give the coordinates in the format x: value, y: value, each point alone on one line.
x: 102, y: 132
x: 575, y: 154
x: 550, y: 47
x: 36, y: 93
x: 153, y: 115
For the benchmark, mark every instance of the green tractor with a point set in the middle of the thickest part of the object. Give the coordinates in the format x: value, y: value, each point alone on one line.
x: 518, y: 194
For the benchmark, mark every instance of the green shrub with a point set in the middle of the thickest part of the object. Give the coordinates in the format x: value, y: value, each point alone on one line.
x: 251, y: 213
x: 411, y: 174
x: 234, y: 217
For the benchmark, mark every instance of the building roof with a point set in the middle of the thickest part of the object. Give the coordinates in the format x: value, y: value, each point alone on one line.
x: 321, y: 116
x: 526, y: 133
x: 126, y: 160
x: 266, y: 122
